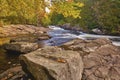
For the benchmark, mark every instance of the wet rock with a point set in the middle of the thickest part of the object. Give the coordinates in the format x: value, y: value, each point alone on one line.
x: 102, y: 64
x: 44, y: 37
x: 22, y: 47
x: 66, y: 26
x: 97, y: 31
x: 53, y: 63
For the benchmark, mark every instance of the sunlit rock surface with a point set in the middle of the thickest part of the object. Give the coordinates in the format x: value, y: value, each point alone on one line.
x: 22, y: 47
x: 102, y: 64
x: 15, y: 30
x: 53, y: 63
x: 100, y: 57
x: 85, y: 46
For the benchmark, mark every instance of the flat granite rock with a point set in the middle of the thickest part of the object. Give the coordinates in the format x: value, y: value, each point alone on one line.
x: 22, y: 47
x: 103, y: 64
x: 53, y: 63
x: 84, y: 47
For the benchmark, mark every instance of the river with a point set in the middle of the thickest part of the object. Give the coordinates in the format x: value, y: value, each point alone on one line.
x: 60, y: 36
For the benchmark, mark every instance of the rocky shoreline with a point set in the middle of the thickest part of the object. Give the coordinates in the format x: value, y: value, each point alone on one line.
x: 17, y: 39
x: 75, y: 60
x: 16, y: 30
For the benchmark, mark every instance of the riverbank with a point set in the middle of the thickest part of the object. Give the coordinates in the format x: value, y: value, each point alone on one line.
x: 24, y: 35
x: 66, y: 56
x: 8, y: 32
x: 15, y: 30
x: 98, y: 31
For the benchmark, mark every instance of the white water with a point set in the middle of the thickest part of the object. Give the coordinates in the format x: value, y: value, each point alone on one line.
x: 60, y: 36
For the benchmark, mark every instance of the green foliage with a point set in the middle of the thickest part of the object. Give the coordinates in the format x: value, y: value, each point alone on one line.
x: 108, y: 14
x: 20, y: 11
x: 89, y: 14
x: 46, y: 21
x: 68, y: 9
x: 103, y: 14
x: 64, y: 12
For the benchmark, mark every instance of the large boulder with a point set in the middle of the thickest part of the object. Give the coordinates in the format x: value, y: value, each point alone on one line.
x: 102, y: 64
x: 53, y: 63
x: 22, y: 47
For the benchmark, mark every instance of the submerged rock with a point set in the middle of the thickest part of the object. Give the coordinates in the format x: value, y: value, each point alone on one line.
x: 22, y: 47
x: 53, y: 63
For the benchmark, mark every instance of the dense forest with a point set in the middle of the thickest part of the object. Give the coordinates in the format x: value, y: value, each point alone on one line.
x: 88, y: 14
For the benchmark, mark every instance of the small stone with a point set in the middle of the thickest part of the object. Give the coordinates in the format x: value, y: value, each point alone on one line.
x: 18, y: 64
x: 14, y: 64
x: 10, y: 75
x: 9, y: 62
x: 5, y: 78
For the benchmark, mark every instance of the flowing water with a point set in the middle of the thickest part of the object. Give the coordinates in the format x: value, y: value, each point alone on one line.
x: 60, y: 36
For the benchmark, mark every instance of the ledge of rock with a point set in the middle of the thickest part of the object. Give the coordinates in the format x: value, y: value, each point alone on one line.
x: 102, y: 64
x: 15, y: 30
x: 30, y: 38
x: 53, y: 63
x: 85, y: 47
x: 22, y: 47
x: 101, y: 59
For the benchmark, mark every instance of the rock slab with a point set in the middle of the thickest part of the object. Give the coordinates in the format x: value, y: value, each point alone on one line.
x: 103, y: 64
x: 22, y: 47
x: 15, y: 30
x: 53, y: 63
x: 84, y: 47
x: 100, y: 57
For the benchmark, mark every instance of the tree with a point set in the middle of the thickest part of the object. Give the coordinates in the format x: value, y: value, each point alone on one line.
x: 64, y: 12
x: 21, y: 11
x: 107, y: 13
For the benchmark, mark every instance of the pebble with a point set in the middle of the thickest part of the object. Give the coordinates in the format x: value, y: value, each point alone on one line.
x: 10, y: 75
x: 21, y: 79
x: 18, y: 64
x: 9, y: 62
x: 14, y: 64
x: 5, y: 78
